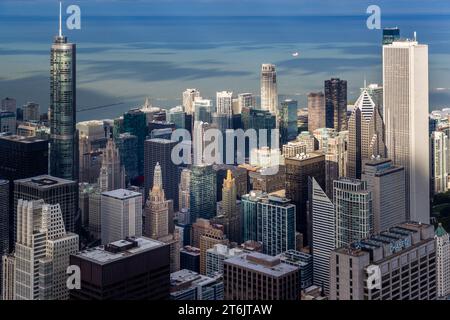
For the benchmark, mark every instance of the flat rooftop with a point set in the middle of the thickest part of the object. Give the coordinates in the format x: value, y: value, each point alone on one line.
x: 187, y: 279
x: 121, y: 194
x: 262, y: 263
x: 44, y: 181
x: 21, y: 139
x: 101, y: 256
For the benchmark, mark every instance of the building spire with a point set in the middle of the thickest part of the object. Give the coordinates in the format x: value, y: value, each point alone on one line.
x: 60, y: 19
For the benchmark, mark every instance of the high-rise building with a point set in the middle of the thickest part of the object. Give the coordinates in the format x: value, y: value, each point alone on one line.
x: 157, y: 209
x: 62, y: 112
x: 8, y: 277
x: 304, y: 262
x: 366, y: 134
x: 189, y: 285
x: 442, y: 262
x: 7, y: 122
x: 386, y: 182
x: 177, y: 116
x: 245, y: 100
x: 269, y: 90
x: 376, y: 93
x: 121, y: 215
x: 216, y: 256
x: 275, y: 220
x: 396, y: 264
x: 257, y: 276
x: 31, y: 112
x: 112, y: 173
x: 202, y: 192
x: 298, y: 170
x: 147, y: 275
x: 288, y: 120
x: 203, y: 109
x: 390, y: 35
x: 323, y: 223
x: 208, y: 236
x: 184, y: 189
x: 160, y: 151
x: 9, y: 105
x: 353, y: 211
x: 135, y: 123
x: 439, y: 158
x: 316, y: 111
x: 336, y: 104
x: 4, y: 218
x: 405, y: 101
x: 224, y: 103
x: 53, y: 191
x: 249, y: 215
x: 229, y: 209
x: 189, y: 96
x: 336, y: 159
x: 128, y: 152
x: 42, y: 252
x: 190, y: 258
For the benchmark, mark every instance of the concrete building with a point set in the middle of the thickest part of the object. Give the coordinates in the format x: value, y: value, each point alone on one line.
x: 439, y: 159
x: 112, y: 172
x: 216, y: 256
x: 189, y: 285
x: 316, y: 111
x: 41, y: 252
x: 31, y: 111
x: 442, y: 262
x: 121, y: 215
x: 8, y: 277
x: 189, y: 96
x: 269, y: 90
x: 405, y: 101
x: 304, y: 262
x: 266, y: 278
x: 396, y: 264
x: 386, y: 182
x: 353, y: 211
x: 190, y: 258
x: 147, y: 275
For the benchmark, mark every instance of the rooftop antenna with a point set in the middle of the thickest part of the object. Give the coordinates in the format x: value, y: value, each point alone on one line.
x: 60, y: 19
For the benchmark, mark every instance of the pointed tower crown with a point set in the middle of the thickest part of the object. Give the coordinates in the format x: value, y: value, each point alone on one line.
x: 157, y: 177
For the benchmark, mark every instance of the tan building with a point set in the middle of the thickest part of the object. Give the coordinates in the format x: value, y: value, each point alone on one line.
x: 316, y: 111
x: 257, y: 276
x: 212, y: 236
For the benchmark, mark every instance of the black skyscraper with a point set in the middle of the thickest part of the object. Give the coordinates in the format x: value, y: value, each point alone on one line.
x: 336, y: 104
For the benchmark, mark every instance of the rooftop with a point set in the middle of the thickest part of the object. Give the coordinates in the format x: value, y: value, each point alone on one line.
x: 43, y: 181
x: 262, y: 263
x: 21, y: 139
x: 124, y: 248
x: 121, y: 194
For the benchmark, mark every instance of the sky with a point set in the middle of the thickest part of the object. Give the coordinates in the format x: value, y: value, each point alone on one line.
x: 130, y: 50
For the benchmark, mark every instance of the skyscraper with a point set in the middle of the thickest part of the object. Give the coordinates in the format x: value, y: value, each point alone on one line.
x: 366, y: 134
x: 316, y: 111
x: 128, y: 151
x: 245, y: 100
x: 203, y: 109
x: 160, y: 151
x: 42, y: 252
x: 224, y: 103
x: 298, y: 169
x: 396, y: 264
x: 135, y: 123
x: 4, y: 218
x: 121, y: 215
x: 353, y: 211
x: 210, y: 236
x: 189, y: 96
x: 231, y: 218
x: 439, y: 159
x: 442, y: 262
x: 336, y: 104
x: 256, y: 276
x: 269, y: 91
x: 53, y: 191
x: 288, y: 120
x: 405, y: 101
x: 202, y: 192
x: 386, y: 182
x: 156, y: 209
x: 112, y: 173
x: 63, y: 103
x: 31, y: 111
x: 147, y: 275
x: 323, y: 233
x: 9, y: 105
x: 390, y: 35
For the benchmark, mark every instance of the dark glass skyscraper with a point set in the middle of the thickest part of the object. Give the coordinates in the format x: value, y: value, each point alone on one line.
x: 135, y: 123
x: 63, y: 135
x: 336, y: 104
x: 202, y: 192
x: 390, y: 35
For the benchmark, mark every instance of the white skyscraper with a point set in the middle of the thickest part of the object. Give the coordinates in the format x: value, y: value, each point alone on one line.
x: 121, y: 215
x: 189, y: 96
x: 42, y: 252
x: 245, y: 100
x: 224, y: 103
x: 439, y: 157
x: 269, y: 93
x: 442, y: 262
x: 405, y: 102
x: 323, y: 234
